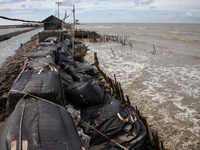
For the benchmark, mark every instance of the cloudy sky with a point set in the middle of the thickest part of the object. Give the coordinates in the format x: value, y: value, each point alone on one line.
x: 100, y: 11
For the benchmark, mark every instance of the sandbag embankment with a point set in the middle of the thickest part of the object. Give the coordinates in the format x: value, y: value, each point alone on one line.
x: 41, y: 125
x: 39, y: 77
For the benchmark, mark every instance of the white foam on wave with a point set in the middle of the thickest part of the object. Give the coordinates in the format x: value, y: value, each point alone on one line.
x: 159, y: 90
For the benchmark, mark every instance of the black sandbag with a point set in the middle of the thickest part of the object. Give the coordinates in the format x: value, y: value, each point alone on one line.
x: 66, y: 79
x: 115, y: 121
x: 42, y: 83
x: 77, y: 57
x: 84, y: 94
x: 48, y: 52
x: 64, y: 60
x: 75, y: 74
x: 96, y: 114
x: 71, y: 70
x: 67, y: 42
x: 39, y: 62
x: 43, y: 126
x: 65, y: 51
x: 85, y: 68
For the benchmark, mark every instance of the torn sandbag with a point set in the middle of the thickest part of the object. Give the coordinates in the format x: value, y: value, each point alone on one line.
x: 116, y: 122
x: 37, y: 124
x: 85, y: 68
x: 84, y: 94
x: 44, y: 83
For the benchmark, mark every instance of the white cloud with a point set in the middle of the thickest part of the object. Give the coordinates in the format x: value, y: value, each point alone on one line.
x: 85, y: 8
x: 189, y: 14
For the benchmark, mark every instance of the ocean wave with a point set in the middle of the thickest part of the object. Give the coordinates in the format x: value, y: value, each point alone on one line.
x: 178, y: 38
x: 140, y: 34
x: 141, y: 28
x: 181, y: 33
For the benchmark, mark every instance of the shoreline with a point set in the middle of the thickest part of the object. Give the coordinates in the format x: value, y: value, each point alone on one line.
x: 7, y: 36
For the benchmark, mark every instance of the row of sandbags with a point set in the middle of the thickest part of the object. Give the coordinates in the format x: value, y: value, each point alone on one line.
x: 43, y: 78
x: 100, y: 110
x: 38, y: 120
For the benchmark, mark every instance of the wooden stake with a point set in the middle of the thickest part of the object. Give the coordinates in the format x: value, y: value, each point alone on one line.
x: 112, y: 52
x: 154, y: 49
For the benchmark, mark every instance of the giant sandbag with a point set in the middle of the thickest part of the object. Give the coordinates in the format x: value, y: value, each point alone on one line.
x: 65, y: 51
x: 75, y: 74
x: 49, y: 51
x: 116, y: 122
x: 85, y: 68
x: 37, y: 125
x: 39, y: 63
x: 43, y: 82
x: 84, y: 94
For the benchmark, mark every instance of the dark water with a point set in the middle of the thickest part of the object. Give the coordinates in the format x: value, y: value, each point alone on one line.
x: 164, y: 85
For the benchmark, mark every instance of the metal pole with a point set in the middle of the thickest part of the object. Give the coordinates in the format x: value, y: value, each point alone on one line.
x: 73, y: 28
x: 58, y: 3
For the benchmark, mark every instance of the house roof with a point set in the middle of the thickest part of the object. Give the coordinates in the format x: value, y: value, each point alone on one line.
x: 50, y: 18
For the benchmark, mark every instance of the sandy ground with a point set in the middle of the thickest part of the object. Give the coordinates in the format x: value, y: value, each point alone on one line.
x: 9, y: 72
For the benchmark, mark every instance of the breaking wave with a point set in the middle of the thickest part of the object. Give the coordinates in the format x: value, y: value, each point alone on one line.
x: 181, y: 39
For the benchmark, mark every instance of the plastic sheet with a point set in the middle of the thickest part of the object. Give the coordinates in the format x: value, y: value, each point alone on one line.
x: 42, y: 83
x: 116, y: 122
x: 48, y: 52
x: 42, y: 126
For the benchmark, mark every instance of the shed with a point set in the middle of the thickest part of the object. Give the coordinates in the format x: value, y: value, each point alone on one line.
x: 52, y: 23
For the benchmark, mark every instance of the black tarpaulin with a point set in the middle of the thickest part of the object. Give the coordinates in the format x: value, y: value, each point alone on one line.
x: 42, y: 125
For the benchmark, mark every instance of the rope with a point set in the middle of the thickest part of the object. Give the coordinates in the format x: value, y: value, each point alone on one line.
x: 113, y: 141
x: 50, y: 65
x: 21, y: 121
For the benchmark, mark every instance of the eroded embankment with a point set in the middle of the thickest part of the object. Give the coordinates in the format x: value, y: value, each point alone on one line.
x: 10, y: 70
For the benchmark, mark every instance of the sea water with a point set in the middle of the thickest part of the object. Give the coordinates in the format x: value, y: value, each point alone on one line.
x: 164, y: 83
x: 8, y: 47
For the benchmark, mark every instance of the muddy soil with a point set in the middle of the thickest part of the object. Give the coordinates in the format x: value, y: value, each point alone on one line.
x: 10, y: 70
